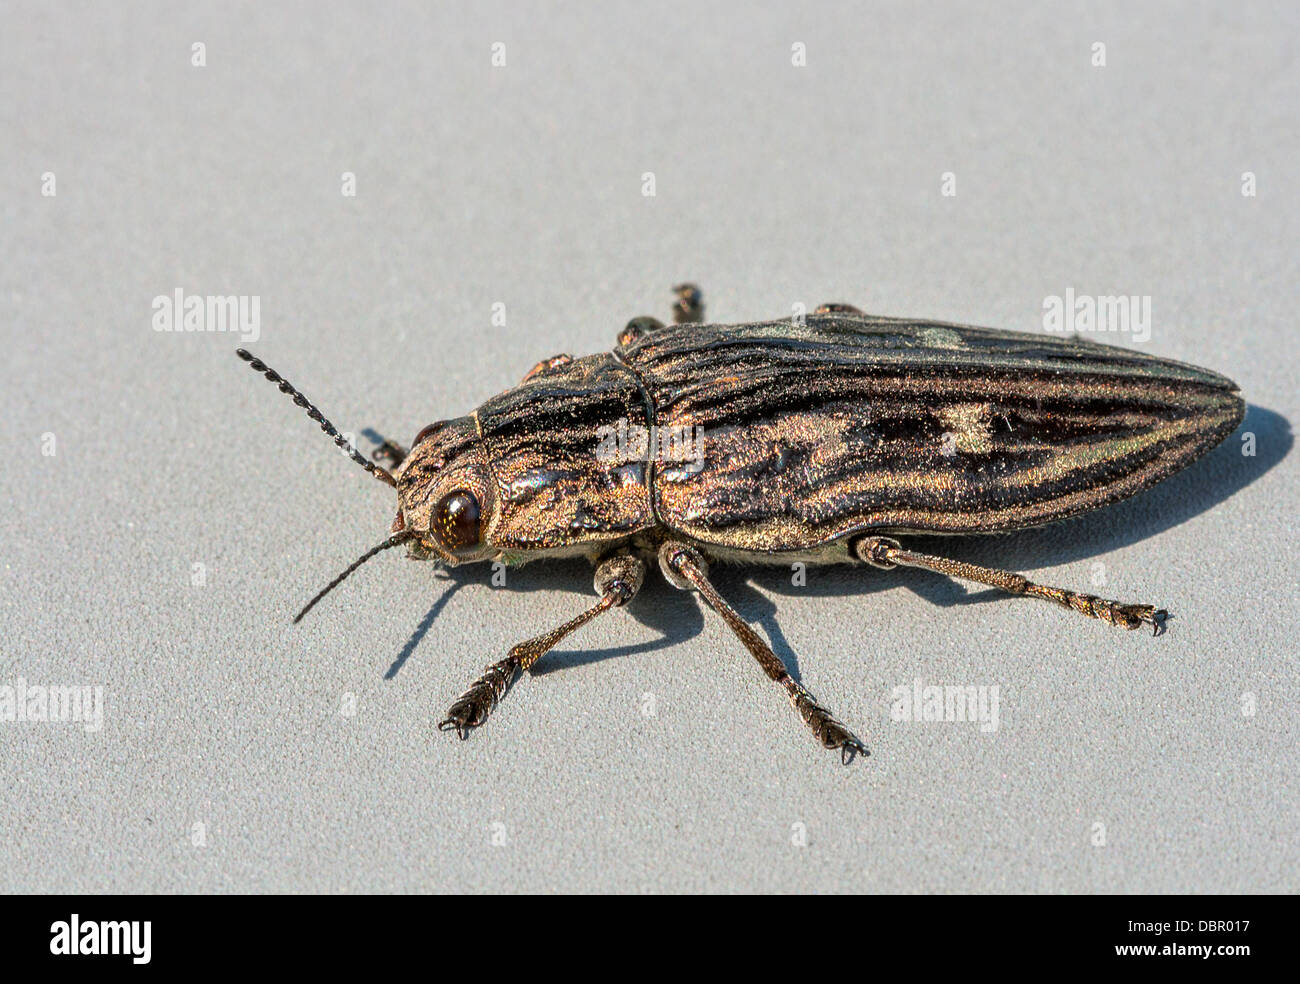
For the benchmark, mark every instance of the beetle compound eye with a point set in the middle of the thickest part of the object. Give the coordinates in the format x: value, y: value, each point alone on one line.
x: 456, y: 521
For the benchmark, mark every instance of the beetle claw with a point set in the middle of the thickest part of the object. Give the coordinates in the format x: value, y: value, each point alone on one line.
x: 458, y: 725
x: 851, y: 749
x: 1137, y: 615
x: 1158, y: 619
x: 449, y: 724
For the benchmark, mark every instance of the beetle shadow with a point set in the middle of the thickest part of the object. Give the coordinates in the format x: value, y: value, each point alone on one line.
x: 426, y: 623
x: 657, y: 606
x: 1215, y: 478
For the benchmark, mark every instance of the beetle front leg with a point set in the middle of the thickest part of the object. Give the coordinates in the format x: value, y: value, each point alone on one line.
x: 684, y: 568
x: 618, y: 578
x: 391, y: 452
x: 882, y: 552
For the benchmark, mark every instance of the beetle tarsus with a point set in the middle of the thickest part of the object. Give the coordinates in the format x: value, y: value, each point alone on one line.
x: 1119, y: 614
x: 824, y: 726
x: 476, y: 704
x: 684, y: 567
x: 618, y: 578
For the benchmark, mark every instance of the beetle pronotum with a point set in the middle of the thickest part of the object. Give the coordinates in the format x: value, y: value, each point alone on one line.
x: 821, y: 441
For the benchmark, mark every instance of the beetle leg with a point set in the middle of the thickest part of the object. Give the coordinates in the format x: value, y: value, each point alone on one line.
x: 685, y: 568
x: 389, y: 451
x: 687, y: 309
x: 689, y: 306
x: 837, y: 308
x: 618, y: 578
x: 638, y: 327
x: 880, y: 551
x: 554, y: 362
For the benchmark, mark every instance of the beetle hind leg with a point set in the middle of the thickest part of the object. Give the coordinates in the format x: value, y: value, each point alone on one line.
x: 685, y: 568
x: 885, y: 553
x: 618, y: 578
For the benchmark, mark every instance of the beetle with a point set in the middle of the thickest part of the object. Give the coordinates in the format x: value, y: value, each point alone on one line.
x: 822, y: 439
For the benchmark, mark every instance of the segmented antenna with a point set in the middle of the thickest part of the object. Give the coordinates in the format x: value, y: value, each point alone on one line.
x: 392, y: 541
x: 286, y: 387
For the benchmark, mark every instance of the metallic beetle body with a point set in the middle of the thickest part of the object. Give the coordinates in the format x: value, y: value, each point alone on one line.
x: 788, y: 441
x: 816, y: 433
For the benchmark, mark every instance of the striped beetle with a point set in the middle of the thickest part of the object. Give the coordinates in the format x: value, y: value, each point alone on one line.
x: 819, y: 440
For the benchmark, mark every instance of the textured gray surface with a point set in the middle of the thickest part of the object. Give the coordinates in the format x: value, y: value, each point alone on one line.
x: 522, y: 185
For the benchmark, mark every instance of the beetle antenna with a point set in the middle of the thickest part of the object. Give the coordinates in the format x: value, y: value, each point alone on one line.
x: 286, y: 387
x: 392, y: 541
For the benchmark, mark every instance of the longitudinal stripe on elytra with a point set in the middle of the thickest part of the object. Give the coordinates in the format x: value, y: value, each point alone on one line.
x: 908, y: 425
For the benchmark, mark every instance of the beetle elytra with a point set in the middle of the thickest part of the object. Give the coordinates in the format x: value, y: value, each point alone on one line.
x: 823, y: 440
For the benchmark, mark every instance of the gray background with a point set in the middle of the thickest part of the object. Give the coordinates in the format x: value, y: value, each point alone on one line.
x: 522, y: 185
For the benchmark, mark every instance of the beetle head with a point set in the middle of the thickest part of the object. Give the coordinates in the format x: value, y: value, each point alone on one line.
x: 445, y: 494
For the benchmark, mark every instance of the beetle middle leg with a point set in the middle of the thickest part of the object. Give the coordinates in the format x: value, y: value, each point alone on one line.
x: 883, y: 552
x: 638, y: 327
x: 685, y: 568
x: 618, y: 578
